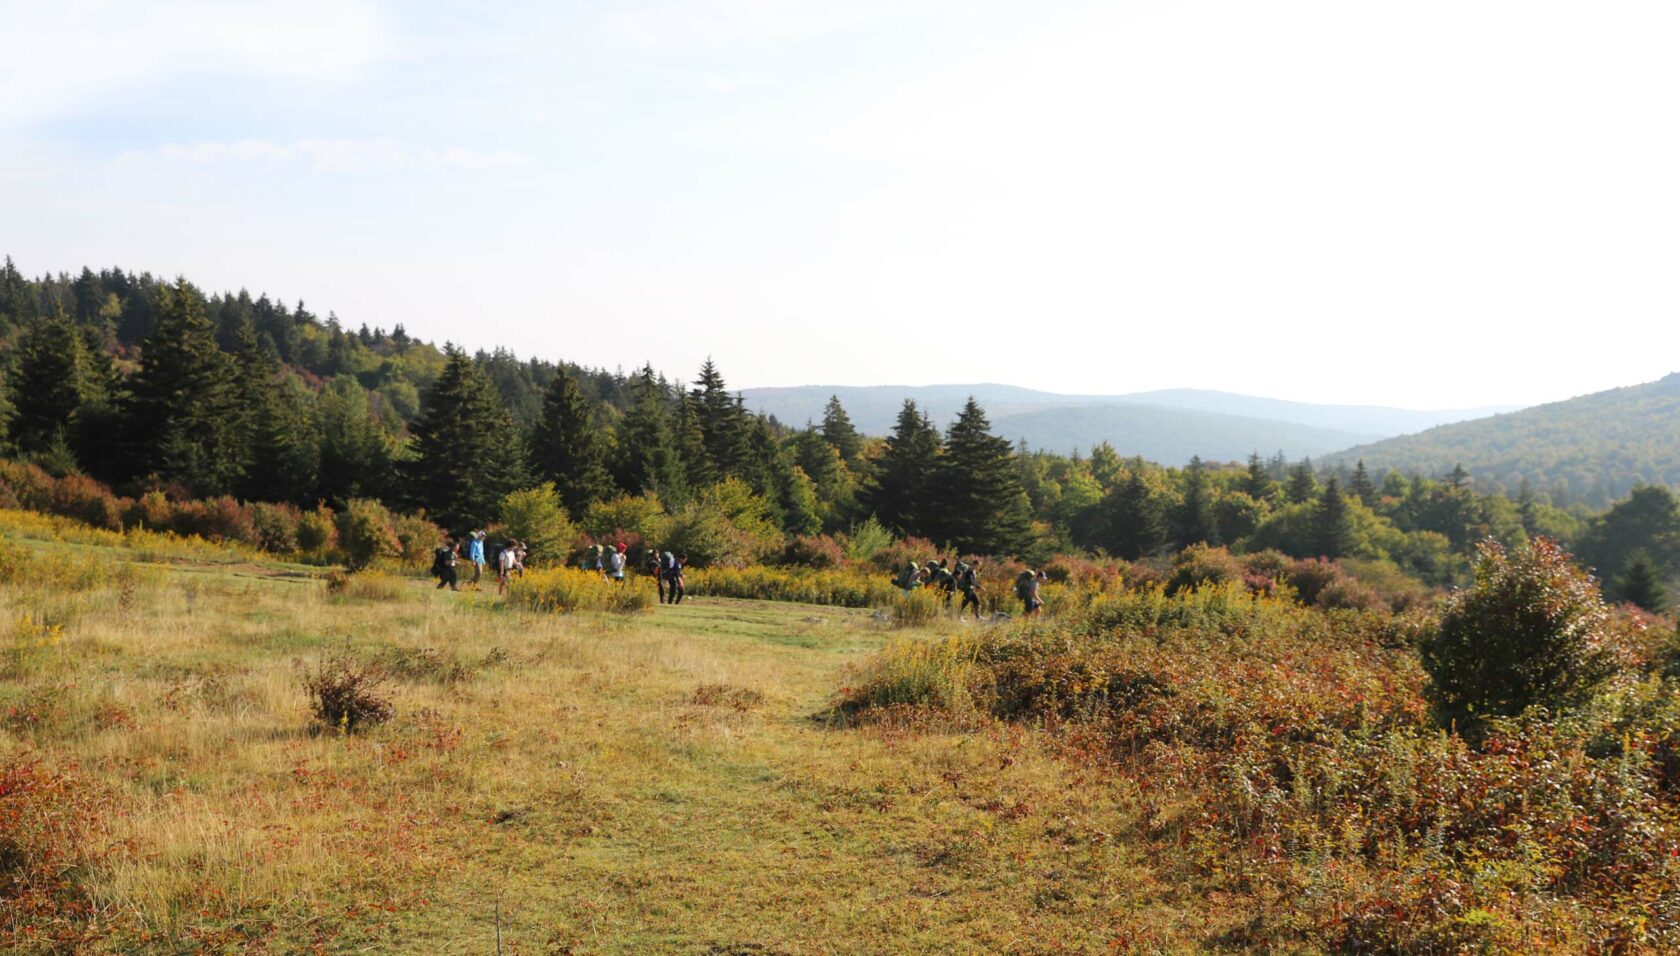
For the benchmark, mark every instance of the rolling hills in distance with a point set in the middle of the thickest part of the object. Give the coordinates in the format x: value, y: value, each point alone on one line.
x: 1167, y: 426
x: 1591, y: 449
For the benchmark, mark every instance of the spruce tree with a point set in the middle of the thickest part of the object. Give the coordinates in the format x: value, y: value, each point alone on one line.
x: 838, y: 431
x: 899, y: 490
x: 467, y: 453
x: 976, y: 502
x: 52, y: 380
x: 1136, y: 518
x: 1258, y: 483
x: 690, y: 444
x: 355, y: 456
x: 182, y: 420
x: 1303, y: 485
x: 1195, y: 522
x: 647, y: 459
x: 1528, y: 510
x: 723, y: 424
x: 1332, y: 527
x: 1363, y: 487
x: 281, y: 452
x: 1641, y: 584
x: 566, y: 447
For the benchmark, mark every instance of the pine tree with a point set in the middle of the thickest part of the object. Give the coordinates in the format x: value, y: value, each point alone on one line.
x: 1459, y: 479
x: 977, y: 502
x: 1136, y: 518
x: 723, y: 423
x: 1303, y: 485
x: 467, y: 453
x: 1332, y: 526
x: 838, y: 431
x: 898, y: 492
x: 1258, y: 483
x: 355, y: 456
x: 1363, y: 488
x: 281, y: 452
x: 647, y: 459
x: 1528, y: 510
x: 1195, y: 521
x: 1641, y: 584
x: 182, y: 419
x: 566, y: 447
x: 52, y: 381
x: 690, y: 445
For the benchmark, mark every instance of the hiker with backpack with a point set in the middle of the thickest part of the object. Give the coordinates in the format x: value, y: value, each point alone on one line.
x: 939, y: 576
x: 616, y: 562
x: 1026, y: 588
x: 909, y: 579
x: 507, y: 560
x: 968, y: 582
x: 475, y: 554
x: 443, y: 566
x: 675, y: 576
x: 667, y: 577
x: 650, y: 567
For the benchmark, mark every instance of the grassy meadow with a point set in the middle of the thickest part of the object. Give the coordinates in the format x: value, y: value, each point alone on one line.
x: 666, y: 781
x: 1217, y: 769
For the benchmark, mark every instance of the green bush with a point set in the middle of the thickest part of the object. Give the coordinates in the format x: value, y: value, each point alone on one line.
x: 538, y: 518
x: 1530, y: 631
x: 317, y: 533
x: 364, y: 533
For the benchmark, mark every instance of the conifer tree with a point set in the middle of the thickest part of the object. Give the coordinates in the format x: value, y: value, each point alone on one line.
x: 566, y: 447
x: 898, y: 491
x: 281, y: 451
x: 1303, y: 485
x: 1136, y: 518
x: 690, y: 445
x: 723, y: 424
x: 976, y: 502
x: 1258, y: 483
x: 181, y: 417
x: 838, y: 431
x: 355, y: 456
x: 1528, y: 511
x: 467, y: 453
x: 52, y: 380
x: 647, y: 459
x: 1362, y: 487
x: 1641, y: 584
x: 1195, y: 522
x: 1332, y: 527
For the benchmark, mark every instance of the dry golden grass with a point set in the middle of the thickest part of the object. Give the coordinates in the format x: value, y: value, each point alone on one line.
x: 672, y: 782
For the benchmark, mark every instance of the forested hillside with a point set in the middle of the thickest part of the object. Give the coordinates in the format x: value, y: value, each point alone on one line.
x: 157, y: 387
x: 1589, y: 450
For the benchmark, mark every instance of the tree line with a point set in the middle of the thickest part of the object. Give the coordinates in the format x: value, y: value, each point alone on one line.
x: 150, y: 384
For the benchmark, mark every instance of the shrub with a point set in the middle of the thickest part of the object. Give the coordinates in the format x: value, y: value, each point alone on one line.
x: 842, y: 587
x: 416, y: 537
x: 641, y: 515
x: 537, y: 517
x: 865, y: 539
x: 818, y: 552
x: 87, y: 501
x: 317, y: 533
x: 919, y: 607
x: 364, y: 533
x: 275, y: 527
x: 568, y: 589
x: 1310, y: 576
x: 48, y: 819
x: 151, y: 510
x: 347, y: 695
x: 896, y: 555
x: 1201, y: 564
x: 1529, y: 631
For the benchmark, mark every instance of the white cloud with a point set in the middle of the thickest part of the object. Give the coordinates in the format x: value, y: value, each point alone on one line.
x: 60, y: 57
x: 326, y: 155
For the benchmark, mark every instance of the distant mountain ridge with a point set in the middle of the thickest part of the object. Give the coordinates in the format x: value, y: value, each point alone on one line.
x: 1168, y: 426
x: 1590, y: 449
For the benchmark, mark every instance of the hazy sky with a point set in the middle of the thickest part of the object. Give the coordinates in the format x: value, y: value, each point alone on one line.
x: 1423, y: 203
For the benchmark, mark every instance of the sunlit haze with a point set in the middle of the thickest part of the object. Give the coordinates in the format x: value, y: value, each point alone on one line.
x: 1426, y: 204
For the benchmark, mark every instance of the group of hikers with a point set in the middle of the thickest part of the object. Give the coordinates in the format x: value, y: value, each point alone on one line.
x: 666, y: 568
x: 508, y: 556
x: 964, y: 579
